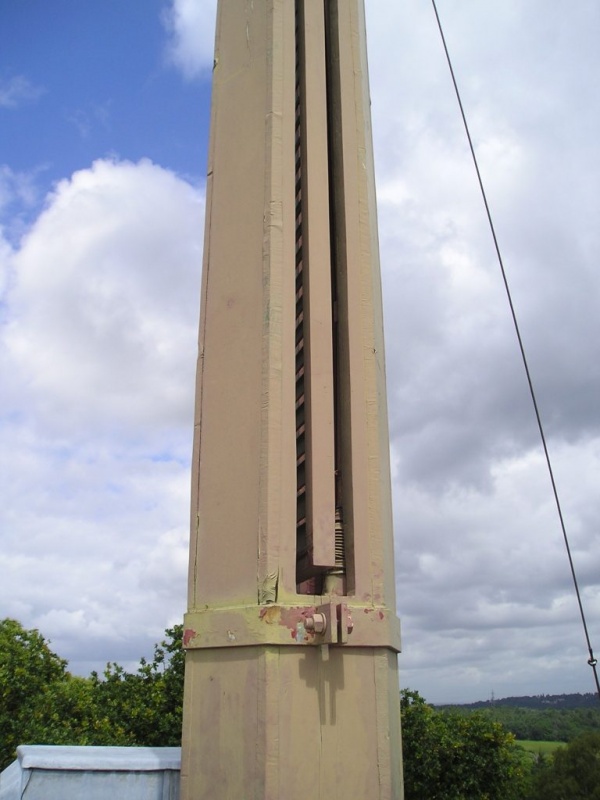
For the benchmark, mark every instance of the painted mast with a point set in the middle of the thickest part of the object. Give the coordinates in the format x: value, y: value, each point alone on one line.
x: 291, y: 687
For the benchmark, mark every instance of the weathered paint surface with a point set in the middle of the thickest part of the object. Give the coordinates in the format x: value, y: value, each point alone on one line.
x: 277, y: 624
x: 287, y: 723
x: 289, y: 695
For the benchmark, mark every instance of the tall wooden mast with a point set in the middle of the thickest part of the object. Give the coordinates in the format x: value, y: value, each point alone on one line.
x: 291, y: 687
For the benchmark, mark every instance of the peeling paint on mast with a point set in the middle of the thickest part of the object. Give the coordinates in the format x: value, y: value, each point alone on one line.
x: 291, y: 673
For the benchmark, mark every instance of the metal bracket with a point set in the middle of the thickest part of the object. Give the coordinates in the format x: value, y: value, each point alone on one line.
x: 345, y: 624
x: 336, y: 622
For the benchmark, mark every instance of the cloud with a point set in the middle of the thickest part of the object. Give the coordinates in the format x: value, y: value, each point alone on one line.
x: 17, y: 188
x: 99, y: 321
x: 191, y: 28
x: 18, y: 90
x: 99, y: 341
x: 20, y: 199
x: 93, y: 116
x: 457, y: 384
x: 484, y: 587
x: 104, y: 307
x: 6, y: 253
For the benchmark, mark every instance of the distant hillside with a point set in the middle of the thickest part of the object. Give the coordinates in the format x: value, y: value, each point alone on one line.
x: 544, y: 717
x: 540, y: 702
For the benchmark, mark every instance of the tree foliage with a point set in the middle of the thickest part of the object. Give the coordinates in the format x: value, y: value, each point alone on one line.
x: 540, y: 702
x: 147, y: 705
x: 42, y: 703
x: 548, y: 725
x: 450, y: 756
x: 572, y: 773
x: 69, y: 714
x: 29, y: 671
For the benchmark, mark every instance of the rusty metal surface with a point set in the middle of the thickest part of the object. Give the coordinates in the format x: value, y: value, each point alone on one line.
x: 278, y: 624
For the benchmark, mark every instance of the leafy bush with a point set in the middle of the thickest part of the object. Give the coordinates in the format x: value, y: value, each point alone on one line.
x: 42, y: 703
x: 572, y: 773
x: 447, y: 755
x: 29, y: 672
x: 450, y: 756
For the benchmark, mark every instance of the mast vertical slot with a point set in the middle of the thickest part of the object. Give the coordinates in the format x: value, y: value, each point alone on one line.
x: 315, y: 379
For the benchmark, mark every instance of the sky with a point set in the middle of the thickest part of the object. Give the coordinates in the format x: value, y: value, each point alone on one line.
x: 104, y: 111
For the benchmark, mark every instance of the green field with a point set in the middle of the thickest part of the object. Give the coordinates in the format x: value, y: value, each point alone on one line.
x: 546, y: 748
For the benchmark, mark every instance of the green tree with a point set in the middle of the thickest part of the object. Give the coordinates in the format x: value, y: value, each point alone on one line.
x: 28, y: 672
x: 549, y: 724
x: 146, y: 705
x: 573, y: 772
x: 42, y: 703
x: 69, y: 713
x: 450, y: 756
x: 447, y: 756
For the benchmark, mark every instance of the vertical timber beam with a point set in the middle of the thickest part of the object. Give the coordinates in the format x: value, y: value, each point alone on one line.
x: 290, y: 692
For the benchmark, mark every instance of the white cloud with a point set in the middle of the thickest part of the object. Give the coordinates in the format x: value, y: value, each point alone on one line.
x: 20, y: 196
x: 484, y: 581
x: 99, y: 331
x: 484, y: 587
x: 91, y: 117
x: 17, y: 90
x: 98, y: 343
x: 17, y: 188
x: 5, y: 260
x: 104, y: 309
x: 191, y: 27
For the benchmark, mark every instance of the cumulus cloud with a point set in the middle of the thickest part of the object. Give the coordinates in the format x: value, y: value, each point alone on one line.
x: 99, y: 342
x: 483, y: 581
x: 5, y: 259
x: 103, y: 311
x: 98, y: 329
x: 191, y: 28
